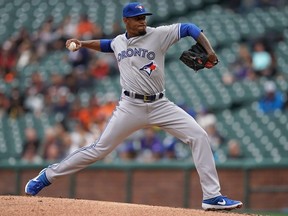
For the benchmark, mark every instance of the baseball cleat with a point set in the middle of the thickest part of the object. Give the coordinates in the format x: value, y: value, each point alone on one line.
x: 35, y: 185
x: 220, y: 203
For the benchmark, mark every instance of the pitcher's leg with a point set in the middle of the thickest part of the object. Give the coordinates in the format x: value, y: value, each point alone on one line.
x: 181, y: 125
x: 121, y: 125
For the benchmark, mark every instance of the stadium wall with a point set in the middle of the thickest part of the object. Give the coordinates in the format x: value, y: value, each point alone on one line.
x: 163, y: 185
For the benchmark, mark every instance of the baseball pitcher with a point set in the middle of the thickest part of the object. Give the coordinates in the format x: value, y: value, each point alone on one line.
x: 140, y: 53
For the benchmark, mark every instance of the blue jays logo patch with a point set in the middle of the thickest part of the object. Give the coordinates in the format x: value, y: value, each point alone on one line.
x: 140, y: 7
x: 149, y: 68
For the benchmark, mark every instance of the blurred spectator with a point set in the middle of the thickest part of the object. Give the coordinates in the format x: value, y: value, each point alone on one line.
x: 130, y: 148
x: 59, y: 40
x: 241, y: 68
x: 272, y: 99
x: 34, y: 102
x: 97, y: 114
x: 81, y: 113
x: 48, y: 102
x: 16, y: 105
x: 69, y: 27
x: 113, y: 65
x: 80, y: 136
x: 56, y: 90
x: 56, y: 82
x: 56, y: 143
x: 216, y: 139
x: 169, y: 143
x: 96, y: 121
x: 61, y: 105
x: 208, y: 122
x: 152, y: 148
x: 51, y: 151
x: 92, y: 114
x: 25, y: 54
x: 204, y: 118
x: 80, y: 58
x: 263, y: 62
x: 84, y: 80
x: 94, y: 107
x: 103, y: 65
x: 4, y: 104
x: 66, y: 141
x: 38, y: 82
x: 7, y: 61
x: 34, y: 95
x: 99, y: 68
x: 31, y: 146
x: 21, y: 36
x: 116, y: 30
x: 108, y: 106
x: 71, y: 82
x: 75, y: 108
x: 234, y: 150
x: 63, y: 136
x: 87, y: 30
x: 175, y: 148
x: 127, y: 151
x: 45, y: 36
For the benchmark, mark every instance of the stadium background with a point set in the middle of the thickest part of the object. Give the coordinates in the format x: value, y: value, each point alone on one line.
x: 49, y: 90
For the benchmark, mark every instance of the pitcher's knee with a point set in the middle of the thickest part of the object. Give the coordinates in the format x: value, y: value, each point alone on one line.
x: 200, y: 136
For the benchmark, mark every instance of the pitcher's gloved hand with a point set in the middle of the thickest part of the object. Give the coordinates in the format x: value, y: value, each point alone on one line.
x: 197, y: 58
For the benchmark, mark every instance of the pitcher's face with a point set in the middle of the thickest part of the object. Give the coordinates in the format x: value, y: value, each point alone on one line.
x: 135, y: 26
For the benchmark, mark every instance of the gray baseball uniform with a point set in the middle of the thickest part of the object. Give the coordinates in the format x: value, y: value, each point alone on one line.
x: 141, y: 64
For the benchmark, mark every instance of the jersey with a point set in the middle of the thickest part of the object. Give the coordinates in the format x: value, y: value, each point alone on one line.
x: 141, y: 59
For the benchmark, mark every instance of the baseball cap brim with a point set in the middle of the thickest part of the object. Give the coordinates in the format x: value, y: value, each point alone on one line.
x: 140, y: 14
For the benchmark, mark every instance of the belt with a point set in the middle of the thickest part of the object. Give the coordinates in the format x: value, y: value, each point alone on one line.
x: 145, y: 98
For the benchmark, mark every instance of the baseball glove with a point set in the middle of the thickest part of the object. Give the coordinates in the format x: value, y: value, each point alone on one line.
x: 196, y: 58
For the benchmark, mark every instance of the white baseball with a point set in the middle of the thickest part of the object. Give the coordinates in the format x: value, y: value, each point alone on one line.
x: 72, y: 46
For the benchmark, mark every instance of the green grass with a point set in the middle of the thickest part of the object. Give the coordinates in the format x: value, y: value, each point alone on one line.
x: 269, y: 213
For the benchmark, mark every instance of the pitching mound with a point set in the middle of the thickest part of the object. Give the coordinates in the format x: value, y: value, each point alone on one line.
x: 24, y: 205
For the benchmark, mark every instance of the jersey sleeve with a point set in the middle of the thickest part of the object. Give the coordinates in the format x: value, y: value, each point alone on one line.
x: 189, y: 29
x: 105, y: 45
x: 168, y: 35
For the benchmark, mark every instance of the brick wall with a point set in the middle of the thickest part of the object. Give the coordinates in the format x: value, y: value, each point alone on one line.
x: 158, y: 187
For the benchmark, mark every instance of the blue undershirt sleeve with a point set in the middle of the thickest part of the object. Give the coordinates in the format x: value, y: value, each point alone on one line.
x: 189, y: 29
x: 105, y: 45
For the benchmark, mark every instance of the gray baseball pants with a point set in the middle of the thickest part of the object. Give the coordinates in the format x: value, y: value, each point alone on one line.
x: 133, y: 114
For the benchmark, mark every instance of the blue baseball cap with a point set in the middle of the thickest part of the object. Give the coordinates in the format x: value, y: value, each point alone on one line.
x: 134, y: 9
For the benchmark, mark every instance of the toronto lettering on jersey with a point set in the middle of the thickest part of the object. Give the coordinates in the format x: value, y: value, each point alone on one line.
x: 144, y: 53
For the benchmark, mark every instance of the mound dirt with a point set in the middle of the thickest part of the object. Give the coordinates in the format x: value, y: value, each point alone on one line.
x: 25, y: 205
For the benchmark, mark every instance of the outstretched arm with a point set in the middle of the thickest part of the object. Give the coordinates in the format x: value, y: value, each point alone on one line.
x: 98, y: 45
